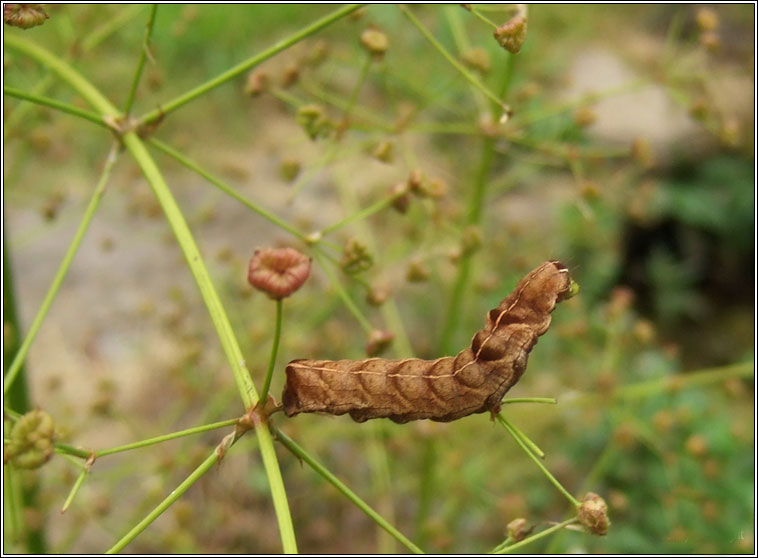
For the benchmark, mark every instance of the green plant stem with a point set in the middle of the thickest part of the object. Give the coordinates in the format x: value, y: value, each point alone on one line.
x: 175, y: 494
x: 75, y: 489
x: 534, y: 458
x: 535, y: 537
x: 60, y: 275
x: 54, y: 104
x: 65, y: 448
x: 707, y: 376
x: 221, y: 185
x: 484, y: 18
x: 533, y: 447
x: 549, y: 400
x: 142, y: 57
x: 341, y: 292
x: 451, y: 59
x: 230, y: 74
x: 195, y: 262
x: 299, y: 452
x: 362, y: 214
x: 274, y: 349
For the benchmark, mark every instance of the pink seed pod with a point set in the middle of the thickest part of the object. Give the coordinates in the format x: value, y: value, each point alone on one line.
x: 278, y: 272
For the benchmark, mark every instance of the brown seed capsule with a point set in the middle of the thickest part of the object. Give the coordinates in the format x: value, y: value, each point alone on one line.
x: 593, y: 514
x: 24, y: 16
x: 519, y: 529
x: 278, y: 272
x: 512, y: 34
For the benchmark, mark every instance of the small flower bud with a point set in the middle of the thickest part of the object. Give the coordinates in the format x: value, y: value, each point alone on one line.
x: 375, y: 42
x: 24, y: 16
x: 355, y: 257
x: 593, y: 514
x: 291, y: 75
x: 31, y: 440
x: 707, y: 19
x: 384, y: 152
x: 417, y: 272
x: 314, y: 120
x: 471, y: 240
x: 512, y: 34
x: 584, y: 117
x: 278, y: 272
x: 257, y: 82
x: 696, y: 445
x: 378, y: 341
x: 402, y: 197
x: 377, y: 295
x: 289, y: 169
x: 519, y: 529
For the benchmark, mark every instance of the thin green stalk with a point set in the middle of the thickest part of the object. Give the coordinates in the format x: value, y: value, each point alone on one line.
x: 60, y: 275
x: 166, y: 437
x: 221, y: 185
x: 232, y: 73
x: 536, y: 537
x: 175, y: 494
x: 75, y: 489
x: 707, y: 376
x: 342, y: 293
x: 533, y: 447
x: 362, y: 214
x: 274, y: 349
x: 142, y: 57
x: 54, y: 104
x: 484, y: 18
x: 534, y: 458
x: 300, y: 453
x: 549, y: 400
x: 452, y: 60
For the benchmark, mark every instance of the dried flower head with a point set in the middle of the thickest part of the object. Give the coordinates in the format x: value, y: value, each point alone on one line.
x: 512, y: 34
x: 31, y: 440
x: 518, y: 529
x: 377, y: 295
x: 278, y: 272
x: 402, y: 198
x: 24, y: 16
x: 593, y: 514
x: 378, y: 341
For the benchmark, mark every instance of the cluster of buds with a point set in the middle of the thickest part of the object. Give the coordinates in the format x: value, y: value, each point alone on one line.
x: 418, y: 185
x: 31, y: 441
x: 355, y: 257
x: 512, y: 34
x: 314, y: 121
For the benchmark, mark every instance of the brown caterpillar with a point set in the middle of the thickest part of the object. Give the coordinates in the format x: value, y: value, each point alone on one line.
x: 445, y: 389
